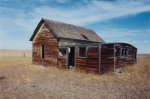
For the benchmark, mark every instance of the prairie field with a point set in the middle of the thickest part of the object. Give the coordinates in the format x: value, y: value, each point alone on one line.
x: 19, y: 79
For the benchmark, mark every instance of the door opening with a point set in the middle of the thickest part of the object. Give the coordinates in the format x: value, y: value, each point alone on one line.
x: 71, y: 58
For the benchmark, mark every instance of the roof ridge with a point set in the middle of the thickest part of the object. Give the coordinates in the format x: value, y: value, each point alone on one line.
x: 67, y: 24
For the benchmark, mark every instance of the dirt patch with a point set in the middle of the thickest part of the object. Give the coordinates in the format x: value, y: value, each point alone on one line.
x: 2, y: 78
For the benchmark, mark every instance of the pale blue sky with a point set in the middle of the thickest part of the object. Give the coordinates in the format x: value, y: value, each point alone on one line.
x: 114, y: 20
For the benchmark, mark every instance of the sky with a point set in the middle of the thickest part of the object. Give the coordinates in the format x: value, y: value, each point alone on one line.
x: 114, y: 20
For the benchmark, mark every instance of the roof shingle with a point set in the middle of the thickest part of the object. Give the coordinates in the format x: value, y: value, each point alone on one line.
x: 64, y: 30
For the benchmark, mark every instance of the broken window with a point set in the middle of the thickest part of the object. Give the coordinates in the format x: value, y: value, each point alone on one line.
x: 42, y: 52
x: 62, y: 52
x: 82, y: 51
x: 124, y: 52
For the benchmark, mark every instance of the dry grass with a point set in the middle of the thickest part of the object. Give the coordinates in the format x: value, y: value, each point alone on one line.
x: 21, y: 80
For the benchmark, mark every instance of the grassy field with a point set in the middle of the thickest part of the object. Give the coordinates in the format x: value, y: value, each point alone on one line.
x: 19, y: 79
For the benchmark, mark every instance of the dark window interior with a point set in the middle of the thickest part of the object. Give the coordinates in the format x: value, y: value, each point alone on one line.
x: 62, y: 51
x: 82, y: 51
x: 124, y: 52
x: 43, y: 55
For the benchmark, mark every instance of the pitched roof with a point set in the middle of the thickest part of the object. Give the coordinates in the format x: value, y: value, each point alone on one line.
x: 68, y: 31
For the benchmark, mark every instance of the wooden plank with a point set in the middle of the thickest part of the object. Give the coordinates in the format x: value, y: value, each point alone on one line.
x: 45, y: 38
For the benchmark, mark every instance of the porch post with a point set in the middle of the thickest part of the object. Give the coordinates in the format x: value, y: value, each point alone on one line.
x: 99, y: 59
x: 114, y: 58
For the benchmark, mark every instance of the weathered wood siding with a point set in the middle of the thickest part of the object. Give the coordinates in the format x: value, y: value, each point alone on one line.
x: 98, y: 59
x: 107, y: 57
x: 111, y: 56
x: 45, y: 37
x: 124, y: 60
x: 89, y: 63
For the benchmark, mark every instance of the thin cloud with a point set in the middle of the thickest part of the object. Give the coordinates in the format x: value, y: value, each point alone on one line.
x: 122, y: 33
x: 119, y: 33
x: 93, y: 12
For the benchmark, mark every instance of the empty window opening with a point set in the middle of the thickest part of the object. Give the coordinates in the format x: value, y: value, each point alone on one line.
x: 124, y: 52
x: 42, y: 52
x: 84, y: 37
x: 62, y: 52
x: 82, y: 51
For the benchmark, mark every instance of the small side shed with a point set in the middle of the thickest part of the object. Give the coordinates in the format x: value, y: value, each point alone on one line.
x: 116, y: 55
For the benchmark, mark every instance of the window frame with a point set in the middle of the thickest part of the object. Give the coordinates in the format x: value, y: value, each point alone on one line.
x: 61, y: 53
x: 124, y: 52
x: 42, y: 51
x: 85, y: 52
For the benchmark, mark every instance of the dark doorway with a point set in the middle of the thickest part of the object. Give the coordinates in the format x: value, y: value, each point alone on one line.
x: 71, y: 58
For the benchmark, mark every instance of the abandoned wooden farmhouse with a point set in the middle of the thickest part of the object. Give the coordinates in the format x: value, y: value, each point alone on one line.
x: 69, y: 46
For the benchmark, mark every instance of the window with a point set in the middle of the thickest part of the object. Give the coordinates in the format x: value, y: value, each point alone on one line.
x: 62, y: 51
x: 124, y: 52
x: 82, y: 51
x: 42, y: 52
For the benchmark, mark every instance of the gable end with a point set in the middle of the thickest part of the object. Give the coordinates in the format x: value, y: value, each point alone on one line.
x: 38, y: 27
